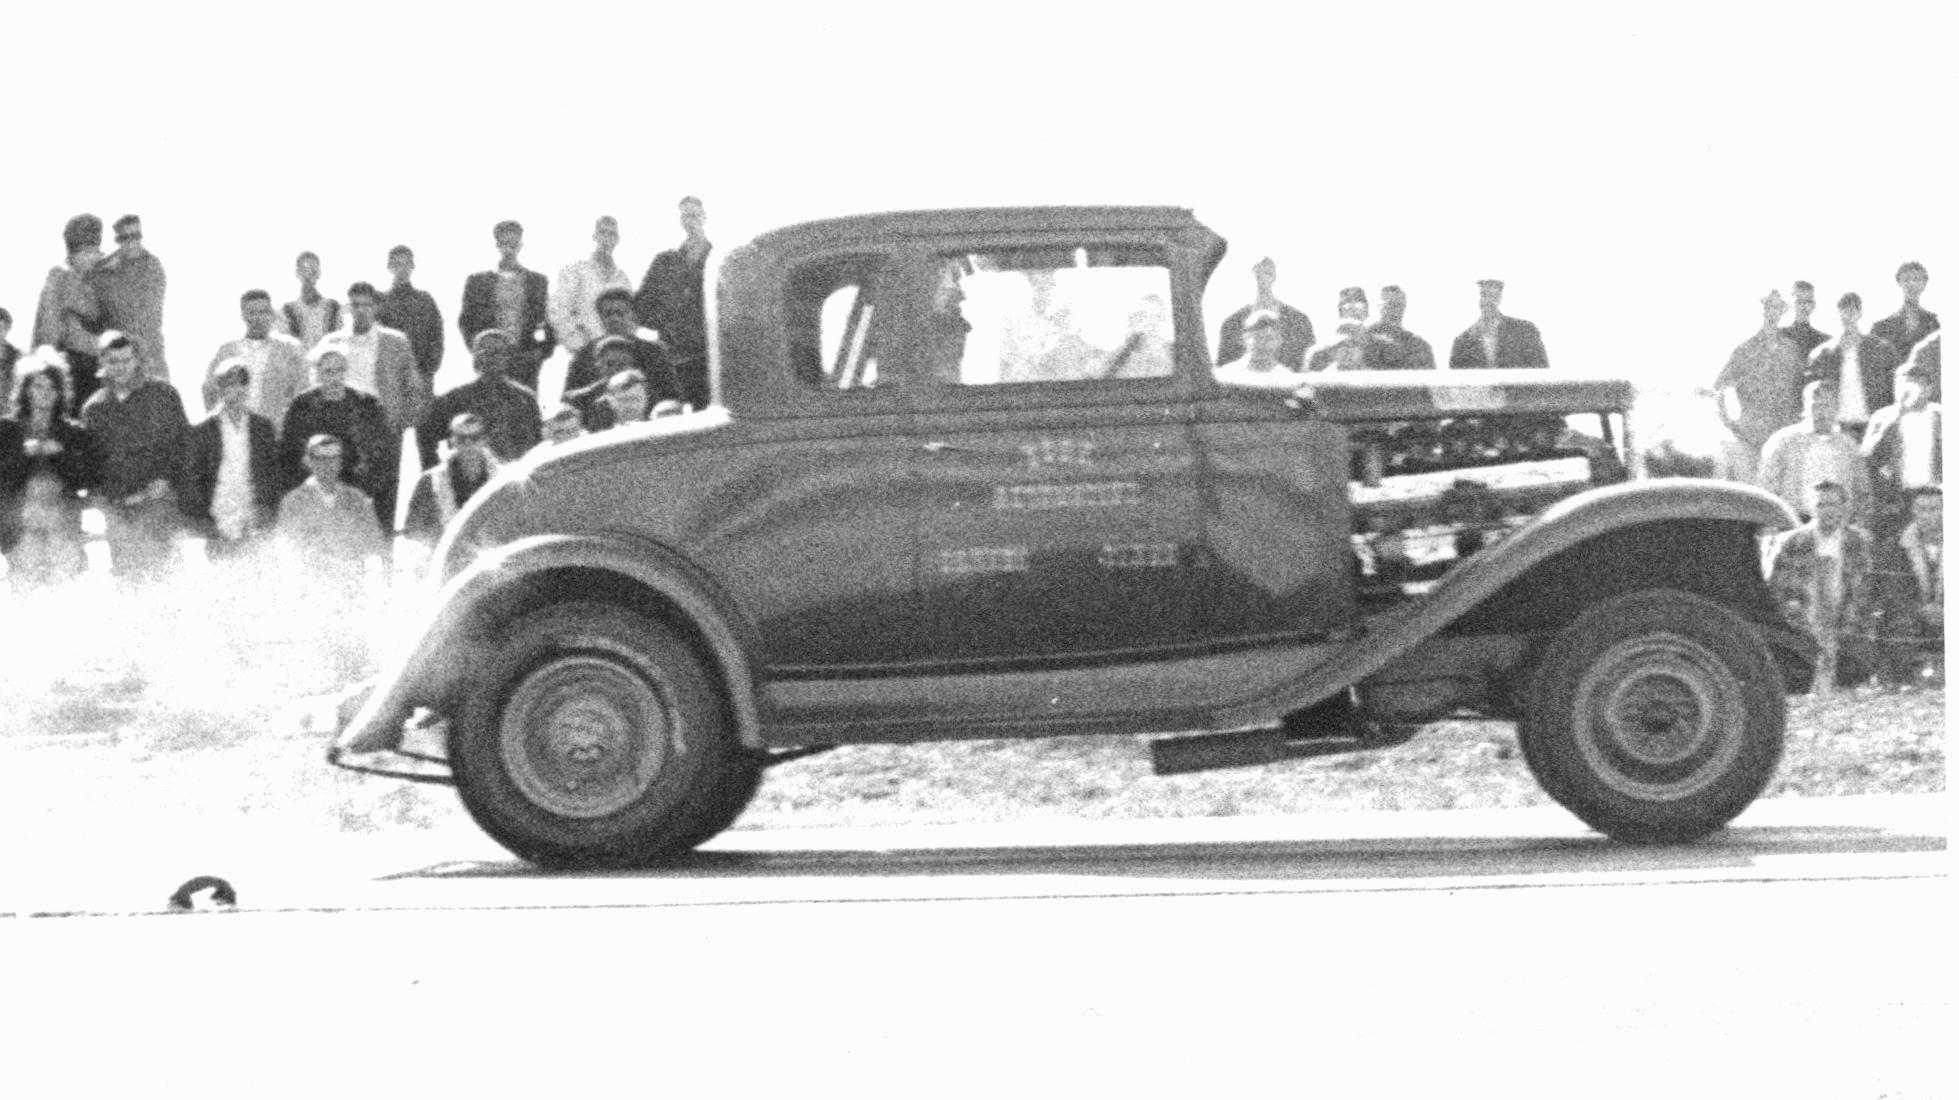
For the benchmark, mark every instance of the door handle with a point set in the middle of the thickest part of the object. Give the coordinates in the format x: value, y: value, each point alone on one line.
x: 939, y: 447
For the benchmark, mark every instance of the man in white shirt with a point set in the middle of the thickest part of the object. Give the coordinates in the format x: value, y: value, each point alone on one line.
x: 574, y: 297
x: 275, y: 361
x: 1860, y: 365
x: 1812, y: 450
x: 1260, y: 365
x: 381, y: 361
x: 233, y: 484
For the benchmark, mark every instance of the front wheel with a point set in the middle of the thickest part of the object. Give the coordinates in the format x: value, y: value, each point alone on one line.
x: 596, y: 738
x: 1655, y: 716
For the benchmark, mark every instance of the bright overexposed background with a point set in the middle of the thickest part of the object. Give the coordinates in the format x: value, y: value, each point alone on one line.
x: 1640, y: 174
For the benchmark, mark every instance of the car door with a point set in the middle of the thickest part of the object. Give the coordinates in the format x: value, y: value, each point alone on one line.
x: 1057, y: 485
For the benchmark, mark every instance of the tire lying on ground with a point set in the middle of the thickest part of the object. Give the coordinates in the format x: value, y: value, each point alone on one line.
x: 1655, y: 716
x: 596, y: 738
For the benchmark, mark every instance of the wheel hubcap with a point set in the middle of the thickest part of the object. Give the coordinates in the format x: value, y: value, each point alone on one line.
x: 1659, y: 717
x: 585, y: 736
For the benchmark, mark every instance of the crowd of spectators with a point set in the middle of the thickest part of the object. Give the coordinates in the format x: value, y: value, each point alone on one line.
x: 1852, y: 421
x: 296, y: 456
x: 300, y: 446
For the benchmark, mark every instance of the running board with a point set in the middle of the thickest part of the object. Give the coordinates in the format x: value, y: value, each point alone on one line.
x: 1244, y: 749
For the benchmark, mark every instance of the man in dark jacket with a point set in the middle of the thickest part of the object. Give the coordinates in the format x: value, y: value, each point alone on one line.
x: 509, y: 410
x: 139, y: 428
x: 512, y: 298
x: 412, y: 311
x: 231, y: 491
x: 1506, y: 343
x: 334, y: 408
x: 1861, y: 365
x: 1913, y: 322
x: 670, y: 301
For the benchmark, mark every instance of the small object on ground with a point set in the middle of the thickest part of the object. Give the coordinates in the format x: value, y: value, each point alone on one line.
x: 222, y: 896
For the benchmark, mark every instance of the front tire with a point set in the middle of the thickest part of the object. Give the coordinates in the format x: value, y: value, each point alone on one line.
x: 1656, y: 717
x: 596, y: 738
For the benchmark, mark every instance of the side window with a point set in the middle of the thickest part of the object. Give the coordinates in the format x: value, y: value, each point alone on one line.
x: 829, y: 320
x: 1049, y: 315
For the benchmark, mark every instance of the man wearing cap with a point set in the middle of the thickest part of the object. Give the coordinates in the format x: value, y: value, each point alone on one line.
x: 1357, y: 348
x: 1912, y: 323
x: 1260, y: 365
x: 508, y: 409
x: 1406, y: 351
x: 1758, y: 391
x: 1505, y: 343
x: 1861, y: 365
x: 1295, y: 328
x: 512, y: 298
x: 232, y: 491
x: 275, y: 362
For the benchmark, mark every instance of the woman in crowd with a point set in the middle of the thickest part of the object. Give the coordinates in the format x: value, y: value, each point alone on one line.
x: 40, y: 498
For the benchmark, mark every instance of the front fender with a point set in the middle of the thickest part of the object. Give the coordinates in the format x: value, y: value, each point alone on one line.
x: 1566, y: 524
x: 434, y: 667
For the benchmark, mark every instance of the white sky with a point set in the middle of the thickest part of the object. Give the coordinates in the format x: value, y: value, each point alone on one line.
x: 1639, y: 178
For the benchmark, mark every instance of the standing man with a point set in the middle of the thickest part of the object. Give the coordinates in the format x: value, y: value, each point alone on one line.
x: 412, y: 312
x: 1912, y: 323
x: 1799, y: 331
x: 512, y: 298
x: 1820, y: 573
x: 670, y: 301
x: 69, y: 317
x: 1357, y: 348
x: 575, y: 296
x: 1406, y: 351
x: 1505, y: 343
x: 232, y: 490
x: 508, y: 409
x: 1295, y: 328
x: 309, y: 317
x: 9, y: 357
x: 131, y: 284
x: 1759, y: 391
x: 1861, y: 366
x: 139, y: 429
x: 1815, y: 449
x: 275, y: 362
x: 1260, y: 365
x: 380, y: 361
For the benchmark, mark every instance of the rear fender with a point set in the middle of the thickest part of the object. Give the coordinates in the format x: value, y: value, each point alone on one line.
x: 1567, y: 524
x: 503, y: 583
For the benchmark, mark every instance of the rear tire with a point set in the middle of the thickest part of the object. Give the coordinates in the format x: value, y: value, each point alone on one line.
x: 596, y: 738
x: 1656, y: 717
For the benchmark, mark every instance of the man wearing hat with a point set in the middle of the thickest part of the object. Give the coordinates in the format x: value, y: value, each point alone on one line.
x: 1507, y: 343
x: 509, y: 411
x: 1295, y: 328
x: 1260, y: 366
x: 232, y: 491
x: 1357, y: 348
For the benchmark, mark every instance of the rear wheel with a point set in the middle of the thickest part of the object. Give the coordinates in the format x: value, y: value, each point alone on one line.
x: 596, y: 738
x: 1656, y: 717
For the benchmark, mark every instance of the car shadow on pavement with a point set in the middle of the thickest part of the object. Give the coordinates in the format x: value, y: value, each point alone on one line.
x: 1741, y: 850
